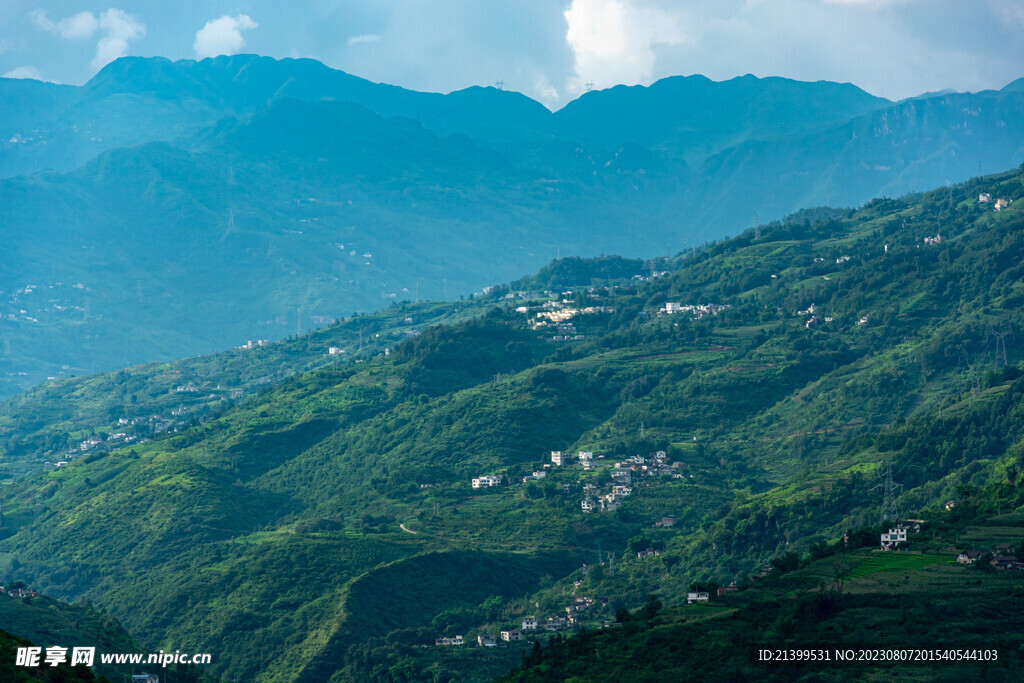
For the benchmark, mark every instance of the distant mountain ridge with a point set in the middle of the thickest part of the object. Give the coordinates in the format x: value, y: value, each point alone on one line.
x: 239, y: 197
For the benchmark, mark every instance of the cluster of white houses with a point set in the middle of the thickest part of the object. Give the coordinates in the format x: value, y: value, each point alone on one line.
x: 696, y: 310
x: 1000, y: 204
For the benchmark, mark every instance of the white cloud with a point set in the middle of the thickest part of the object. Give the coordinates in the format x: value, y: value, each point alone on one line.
x: 120, y: 29
x: 543, y: 91
x: 24, y: 72
x: 1009, y: 12
x: 366, y: 38
x: 79, y: 26
x: 613, y: 40
x: 222, y: 36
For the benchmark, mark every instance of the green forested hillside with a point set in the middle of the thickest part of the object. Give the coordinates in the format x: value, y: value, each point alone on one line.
x: 58, y: 419
x: 329, y: 526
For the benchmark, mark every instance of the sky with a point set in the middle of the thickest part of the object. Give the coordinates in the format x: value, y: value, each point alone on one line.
x: 550, y: 50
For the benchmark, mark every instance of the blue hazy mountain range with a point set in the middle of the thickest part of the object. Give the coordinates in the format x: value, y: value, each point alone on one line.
x: 166, y: 209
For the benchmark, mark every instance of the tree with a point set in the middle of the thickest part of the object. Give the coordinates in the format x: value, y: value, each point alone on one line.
x: 651, y: 607
x: 839, y: 570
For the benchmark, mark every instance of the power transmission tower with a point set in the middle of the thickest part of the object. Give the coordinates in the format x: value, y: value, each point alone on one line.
x: 589, y: 85
x: 888, y: 487
x: 499, y: 84
x: 1004, y: 330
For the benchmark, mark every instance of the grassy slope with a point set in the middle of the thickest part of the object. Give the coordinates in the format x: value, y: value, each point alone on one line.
x: 885, y: 601
x: 250, y: 533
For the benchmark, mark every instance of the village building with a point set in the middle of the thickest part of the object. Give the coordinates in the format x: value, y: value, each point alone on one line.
x: 486, y: 640
x: 968, y: 557
x: 895, y: 536
x: 511, y: 636
x: 486, y: 481
x: 697, y: 596
x: 557, y: 458
x: 554, y: 624
x: 1006, y: 562
x: 530, y: 623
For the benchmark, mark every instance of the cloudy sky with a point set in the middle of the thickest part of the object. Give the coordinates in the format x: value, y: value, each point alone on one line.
x: 548, y: 49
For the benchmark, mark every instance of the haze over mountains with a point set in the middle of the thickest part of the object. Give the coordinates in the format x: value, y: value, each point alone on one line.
x: 199, y: 204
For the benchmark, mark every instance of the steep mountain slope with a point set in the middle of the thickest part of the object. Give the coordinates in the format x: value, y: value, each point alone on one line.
x: 44, y: 621
x: 335, y: 511
x: 884, y: 153
x: 846, y: 614
x: 303, y: 214
x: 693, y: 117
x: 63, y: 420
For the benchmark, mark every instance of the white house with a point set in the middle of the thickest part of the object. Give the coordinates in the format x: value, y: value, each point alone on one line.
x: 587, y: 504
x: 968, y: 557
x: 511, y: 636
x: 672, y: 308
x: 895, y: 535
x: 557, y: 458
x: 486, y: 481
x: 530, y: 623
x: 623, y: 477
x: 697, y: 596
x: 586, y: 456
